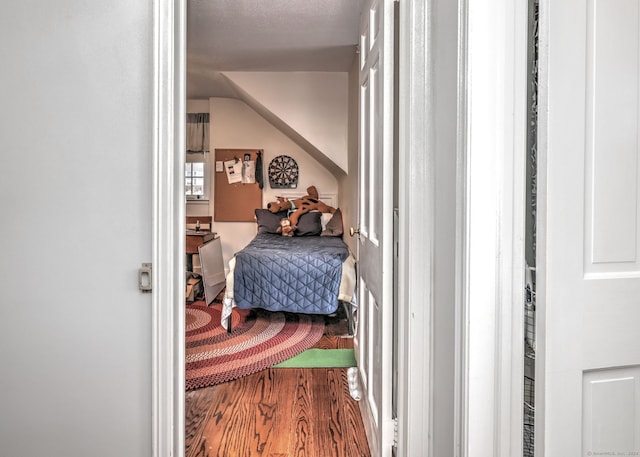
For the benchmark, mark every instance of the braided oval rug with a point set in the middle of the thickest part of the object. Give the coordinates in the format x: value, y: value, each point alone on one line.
x: 259, y: 340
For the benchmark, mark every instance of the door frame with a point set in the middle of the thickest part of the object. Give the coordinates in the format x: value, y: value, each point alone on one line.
x: 504, y: 46
x: 485, y: 414
x: 426, y: 233
x: 415, y: 253
x: 168, y: 252
x: 491, y: 256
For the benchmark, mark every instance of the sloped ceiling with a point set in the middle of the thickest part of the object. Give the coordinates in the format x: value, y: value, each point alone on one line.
x: 266, y: 35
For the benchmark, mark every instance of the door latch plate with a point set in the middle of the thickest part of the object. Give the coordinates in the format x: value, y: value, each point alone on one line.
x: 144, y: 277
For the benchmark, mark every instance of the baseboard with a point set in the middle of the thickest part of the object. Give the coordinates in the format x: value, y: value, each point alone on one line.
x: 368, y: 421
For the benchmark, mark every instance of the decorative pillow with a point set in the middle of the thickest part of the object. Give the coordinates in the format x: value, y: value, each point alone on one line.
x: 334, y: 226
x: 268, y: 222
x: 326, y: 217
x: 309, y: 224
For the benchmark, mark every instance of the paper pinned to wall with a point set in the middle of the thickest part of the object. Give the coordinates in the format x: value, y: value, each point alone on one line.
x: 249, y: 172
x: 234, y: 171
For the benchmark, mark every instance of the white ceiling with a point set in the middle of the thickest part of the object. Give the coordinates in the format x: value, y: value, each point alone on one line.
x: 266, y: 35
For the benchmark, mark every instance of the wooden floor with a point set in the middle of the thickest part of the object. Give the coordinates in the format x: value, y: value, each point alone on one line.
x: 279, y: 412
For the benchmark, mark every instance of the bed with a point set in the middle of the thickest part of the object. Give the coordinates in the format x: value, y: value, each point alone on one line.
x: 311, y: 273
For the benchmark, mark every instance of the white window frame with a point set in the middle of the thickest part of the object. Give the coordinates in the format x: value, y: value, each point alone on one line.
x: 200, y: 157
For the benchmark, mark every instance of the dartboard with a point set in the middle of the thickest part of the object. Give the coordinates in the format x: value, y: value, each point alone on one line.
x: 283, y: 173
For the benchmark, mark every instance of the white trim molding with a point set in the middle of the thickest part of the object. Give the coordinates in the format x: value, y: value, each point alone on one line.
x: 489, y: 347
x: 168, y: 233
x: 330, y: 199
x: 461, y: 361
x: 415, y: 250
x: 427, y: 226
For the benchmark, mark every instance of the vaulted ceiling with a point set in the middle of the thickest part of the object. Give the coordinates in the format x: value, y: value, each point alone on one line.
x: 266, y: 35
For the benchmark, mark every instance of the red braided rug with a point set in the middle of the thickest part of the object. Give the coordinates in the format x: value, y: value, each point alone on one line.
x: 258, y: 341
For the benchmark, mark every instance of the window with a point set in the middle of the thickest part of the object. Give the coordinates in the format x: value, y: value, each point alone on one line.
x: 196, y: 177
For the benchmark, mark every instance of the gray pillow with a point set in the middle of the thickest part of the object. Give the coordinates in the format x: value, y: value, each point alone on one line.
x: 334, y: 226
x: 309, y: 224
x: 268, y: 222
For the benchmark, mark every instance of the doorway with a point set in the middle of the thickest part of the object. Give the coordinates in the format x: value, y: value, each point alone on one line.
x: 417, y: 317
x: 239, y: 112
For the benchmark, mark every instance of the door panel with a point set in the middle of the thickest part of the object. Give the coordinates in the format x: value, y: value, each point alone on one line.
x: 76, y: 166
x: 373, y: 341
x: 612, y: 411
x: 611, y: 136
x: 592, y: 269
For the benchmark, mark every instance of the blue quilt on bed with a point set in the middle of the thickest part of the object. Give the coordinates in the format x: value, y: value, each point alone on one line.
x: 296, y: 274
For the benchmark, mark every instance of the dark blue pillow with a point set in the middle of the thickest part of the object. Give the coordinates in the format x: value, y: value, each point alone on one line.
x: 309, y: 224
x: 268, y: 222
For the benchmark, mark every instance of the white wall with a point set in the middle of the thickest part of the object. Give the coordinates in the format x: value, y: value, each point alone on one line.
x: 234, y: 125
x: 314, y: 104
x: 198, y: 106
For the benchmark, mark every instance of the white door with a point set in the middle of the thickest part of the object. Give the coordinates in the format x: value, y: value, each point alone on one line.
x: 590, y: 281
x: 373, y: 340
x: 76, y: 164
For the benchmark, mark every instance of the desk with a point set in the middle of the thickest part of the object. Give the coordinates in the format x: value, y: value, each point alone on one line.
x: 194, y: 239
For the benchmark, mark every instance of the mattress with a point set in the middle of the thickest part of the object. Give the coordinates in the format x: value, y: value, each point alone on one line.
x: 297, y: 274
